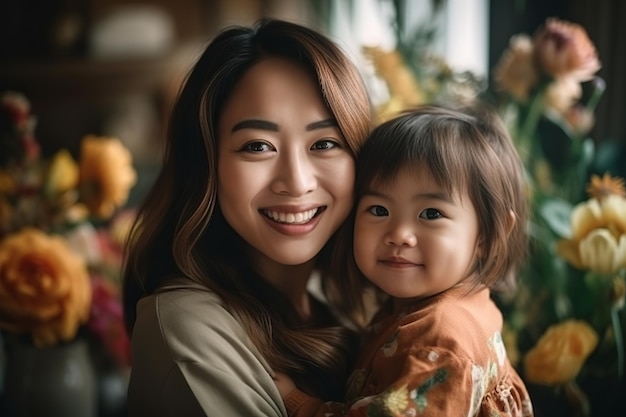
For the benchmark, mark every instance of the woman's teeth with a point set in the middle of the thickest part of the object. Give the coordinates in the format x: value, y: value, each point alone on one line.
x: 291, y: 218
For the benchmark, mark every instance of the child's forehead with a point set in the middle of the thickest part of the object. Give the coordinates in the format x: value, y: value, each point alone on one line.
x: 417, y: 175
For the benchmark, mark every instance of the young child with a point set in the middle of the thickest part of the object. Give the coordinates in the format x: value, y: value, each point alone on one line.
x: 439, y: 221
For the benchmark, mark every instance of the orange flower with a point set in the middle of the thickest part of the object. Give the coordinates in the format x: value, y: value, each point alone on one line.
x: 106, y: 174
x: 560, y: 353
x: 516, y: 72
x: 563, y: 49
x: 601, y: 187
x: 45, y: 289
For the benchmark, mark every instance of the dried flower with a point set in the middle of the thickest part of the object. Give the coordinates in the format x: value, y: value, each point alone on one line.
x: 516, y: 73
x: 580, y: 119
x: 560, y: 353
x: 562, y: 94
x: 17, y: 127
x: 45, y: 288
x: 564, y: 49
x: 601, y: 187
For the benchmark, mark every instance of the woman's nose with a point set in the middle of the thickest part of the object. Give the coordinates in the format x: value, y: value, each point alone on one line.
x: 295, y: 175
x: 401, y: 234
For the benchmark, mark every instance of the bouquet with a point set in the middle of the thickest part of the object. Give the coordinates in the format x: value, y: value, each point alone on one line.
x: 58, y: 271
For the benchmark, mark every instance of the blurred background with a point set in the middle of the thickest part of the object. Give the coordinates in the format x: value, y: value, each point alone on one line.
x: 111, y: 67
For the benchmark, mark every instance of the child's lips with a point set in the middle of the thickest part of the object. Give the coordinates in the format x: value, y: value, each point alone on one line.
x: 398, y: 262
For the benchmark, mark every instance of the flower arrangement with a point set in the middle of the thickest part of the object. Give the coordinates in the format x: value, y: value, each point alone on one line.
x: 564, y: 323
x: 61, y: 234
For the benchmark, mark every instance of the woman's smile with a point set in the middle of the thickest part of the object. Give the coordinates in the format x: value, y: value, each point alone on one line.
x: 301, y: 217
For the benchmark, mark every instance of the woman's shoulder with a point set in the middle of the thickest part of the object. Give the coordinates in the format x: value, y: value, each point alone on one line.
x: 187, y: 317
x: 179, y: 302
x: 191, y: 354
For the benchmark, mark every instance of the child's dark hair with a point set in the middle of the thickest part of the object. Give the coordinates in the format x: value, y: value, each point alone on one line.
x: 469, y: 149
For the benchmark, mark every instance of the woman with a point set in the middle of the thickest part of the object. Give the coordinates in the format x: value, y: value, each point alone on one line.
x: 257, y: 177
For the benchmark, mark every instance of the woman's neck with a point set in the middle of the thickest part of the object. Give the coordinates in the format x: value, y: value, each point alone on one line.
x: 291, y: 280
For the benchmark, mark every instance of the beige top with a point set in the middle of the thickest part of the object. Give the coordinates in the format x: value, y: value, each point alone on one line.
x: 192, y: 358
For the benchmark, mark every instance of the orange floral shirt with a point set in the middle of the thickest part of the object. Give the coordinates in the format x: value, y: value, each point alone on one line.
x: 444, y: 357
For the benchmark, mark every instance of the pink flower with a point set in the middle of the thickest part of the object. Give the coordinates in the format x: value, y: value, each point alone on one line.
x: 106, y: 321
x: 563, y: 49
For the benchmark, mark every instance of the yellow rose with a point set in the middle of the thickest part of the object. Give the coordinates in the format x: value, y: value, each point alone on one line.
x: 45, y: 289
x: 560, y: 353
x: 106, y: 174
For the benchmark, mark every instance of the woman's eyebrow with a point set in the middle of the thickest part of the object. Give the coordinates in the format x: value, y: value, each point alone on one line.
x: 266, y: 125
x: 255, y: 124
x: 330, y: 122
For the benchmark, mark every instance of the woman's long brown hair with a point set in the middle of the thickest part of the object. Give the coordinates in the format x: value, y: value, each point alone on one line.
x: 181, y: 232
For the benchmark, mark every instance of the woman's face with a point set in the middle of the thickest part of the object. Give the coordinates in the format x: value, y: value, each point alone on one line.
x: 285, y: 171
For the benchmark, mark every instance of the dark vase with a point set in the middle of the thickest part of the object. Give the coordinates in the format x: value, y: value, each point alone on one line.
x: 57, y: 381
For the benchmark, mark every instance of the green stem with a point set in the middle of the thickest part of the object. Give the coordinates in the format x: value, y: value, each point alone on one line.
x: 531, y: 121
x: 598, y: 90
x: 619, y: 341
x: 578, y: 401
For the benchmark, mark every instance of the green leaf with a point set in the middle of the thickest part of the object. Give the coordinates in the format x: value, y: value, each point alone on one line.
x: 556, y: 213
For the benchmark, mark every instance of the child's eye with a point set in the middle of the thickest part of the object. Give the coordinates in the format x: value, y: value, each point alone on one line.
x: 324, y: 144
x: 257, y: 147
x: 378, y: 211
x: 430, y: 213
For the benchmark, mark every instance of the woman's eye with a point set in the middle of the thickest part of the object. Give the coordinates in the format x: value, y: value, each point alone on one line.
x: 378, y: 211
x: 257, y: 147
x: 322, y: 145
x: 430, y: 213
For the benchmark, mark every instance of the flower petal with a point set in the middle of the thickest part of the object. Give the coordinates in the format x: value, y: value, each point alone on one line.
x: 599, y: 251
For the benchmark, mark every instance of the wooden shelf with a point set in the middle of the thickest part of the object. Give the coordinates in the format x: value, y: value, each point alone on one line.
x: 79, y: 79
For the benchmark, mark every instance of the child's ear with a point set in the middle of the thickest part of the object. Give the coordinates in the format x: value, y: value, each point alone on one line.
x: 512, y: 221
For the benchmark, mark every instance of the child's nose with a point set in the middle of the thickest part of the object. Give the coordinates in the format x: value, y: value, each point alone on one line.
x: 401, y: 235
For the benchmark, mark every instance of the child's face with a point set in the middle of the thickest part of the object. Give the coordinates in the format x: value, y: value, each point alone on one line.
x: 413, y: 240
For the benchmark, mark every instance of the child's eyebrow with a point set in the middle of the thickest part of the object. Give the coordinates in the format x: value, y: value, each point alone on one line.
x: 437, y: 195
